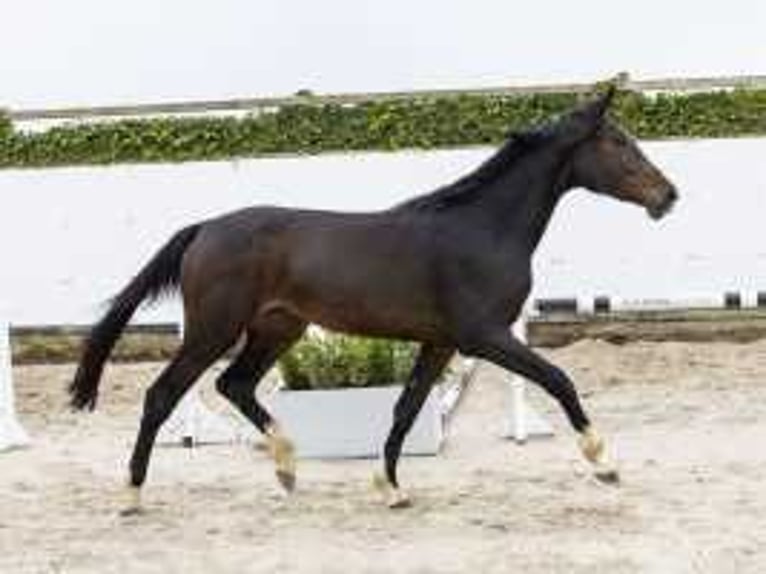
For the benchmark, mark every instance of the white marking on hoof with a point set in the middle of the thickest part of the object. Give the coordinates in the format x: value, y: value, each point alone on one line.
x: 282, y: 451
x: 393, y: 497
x: 594, y: 450
x: 398, y: 500
x: 591, y: 445
x: 132, y: 504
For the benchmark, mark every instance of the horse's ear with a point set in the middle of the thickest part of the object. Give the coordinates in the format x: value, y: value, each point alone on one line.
x: 594, y: 110
x: 586, y: 118
x: 602, y: 103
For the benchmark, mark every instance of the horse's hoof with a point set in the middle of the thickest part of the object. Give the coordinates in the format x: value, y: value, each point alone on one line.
x: 132, y: 502
x: 392, y: 496
x: 610, y: 476
x: 282, y: 451
x: 131, y: 511
x: 286, y: 479
x: 398, y: 500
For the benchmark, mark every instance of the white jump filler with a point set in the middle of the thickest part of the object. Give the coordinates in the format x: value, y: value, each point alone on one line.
x: 12, y: 435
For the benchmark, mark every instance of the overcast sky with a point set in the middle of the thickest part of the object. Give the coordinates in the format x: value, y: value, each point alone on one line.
x: 66, y: 52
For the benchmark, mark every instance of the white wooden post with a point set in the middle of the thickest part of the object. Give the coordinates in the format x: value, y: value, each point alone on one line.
x: 12, y: 435
x: 524, y: 422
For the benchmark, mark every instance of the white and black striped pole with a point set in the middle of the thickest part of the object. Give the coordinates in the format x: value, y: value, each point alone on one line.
x: 604, y: 304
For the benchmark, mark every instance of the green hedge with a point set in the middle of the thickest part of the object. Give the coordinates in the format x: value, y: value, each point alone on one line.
x: 422, y: 123
x: 6, y: 127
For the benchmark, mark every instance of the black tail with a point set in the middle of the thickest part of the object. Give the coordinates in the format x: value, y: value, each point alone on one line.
x: 160, y: 275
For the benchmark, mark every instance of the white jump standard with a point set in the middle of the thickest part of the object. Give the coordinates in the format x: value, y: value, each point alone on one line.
x: 12, y: 435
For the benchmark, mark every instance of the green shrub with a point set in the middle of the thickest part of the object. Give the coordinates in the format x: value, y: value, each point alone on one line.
x: 341, y: 361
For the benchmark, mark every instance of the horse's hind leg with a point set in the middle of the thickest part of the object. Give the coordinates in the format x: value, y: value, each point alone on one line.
x: 265, y: 342
x: 203, y: 343
x: 429, y: 364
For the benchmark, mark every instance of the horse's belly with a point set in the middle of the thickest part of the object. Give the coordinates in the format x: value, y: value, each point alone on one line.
x: 372, y: 310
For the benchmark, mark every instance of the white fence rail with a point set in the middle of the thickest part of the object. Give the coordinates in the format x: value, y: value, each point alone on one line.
x: 240, y: 105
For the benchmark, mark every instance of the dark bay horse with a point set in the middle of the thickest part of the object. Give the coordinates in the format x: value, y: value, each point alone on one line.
x: 450, y: 270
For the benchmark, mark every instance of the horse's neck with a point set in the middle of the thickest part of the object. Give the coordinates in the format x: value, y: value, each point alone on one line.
x: 518, y: 206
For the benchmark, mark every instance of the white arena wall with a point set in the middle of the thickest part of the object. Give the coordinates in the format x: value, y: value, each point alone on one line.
x: 71, y: 237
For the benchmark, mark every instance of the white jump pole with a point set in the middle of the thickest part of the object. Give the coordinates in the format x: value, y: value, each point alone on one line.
x: 12, y: 435
x: 524, y: 422
x: 519, y: 420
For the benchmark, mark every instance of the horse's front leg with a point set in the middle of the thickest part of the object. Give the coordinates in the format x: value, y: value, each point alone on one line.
x: 429, y: 364
x: 499, y: 346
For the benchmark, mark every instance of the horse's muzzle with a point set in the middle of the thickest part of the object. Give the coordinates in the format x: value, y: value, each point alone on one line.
x: 665, y: 205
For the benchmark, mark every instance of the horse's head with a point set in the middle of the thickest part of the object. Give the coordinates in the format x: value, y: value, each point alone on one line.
x: 605, y: 159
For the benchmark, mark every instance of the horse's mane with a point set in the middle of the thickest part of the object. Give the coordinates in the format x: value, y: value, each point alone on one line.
x: 518, y: 145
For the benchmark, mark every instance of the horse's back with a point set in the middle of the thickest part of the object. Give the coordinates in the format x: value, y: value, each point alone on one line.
x: 332, y: 268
